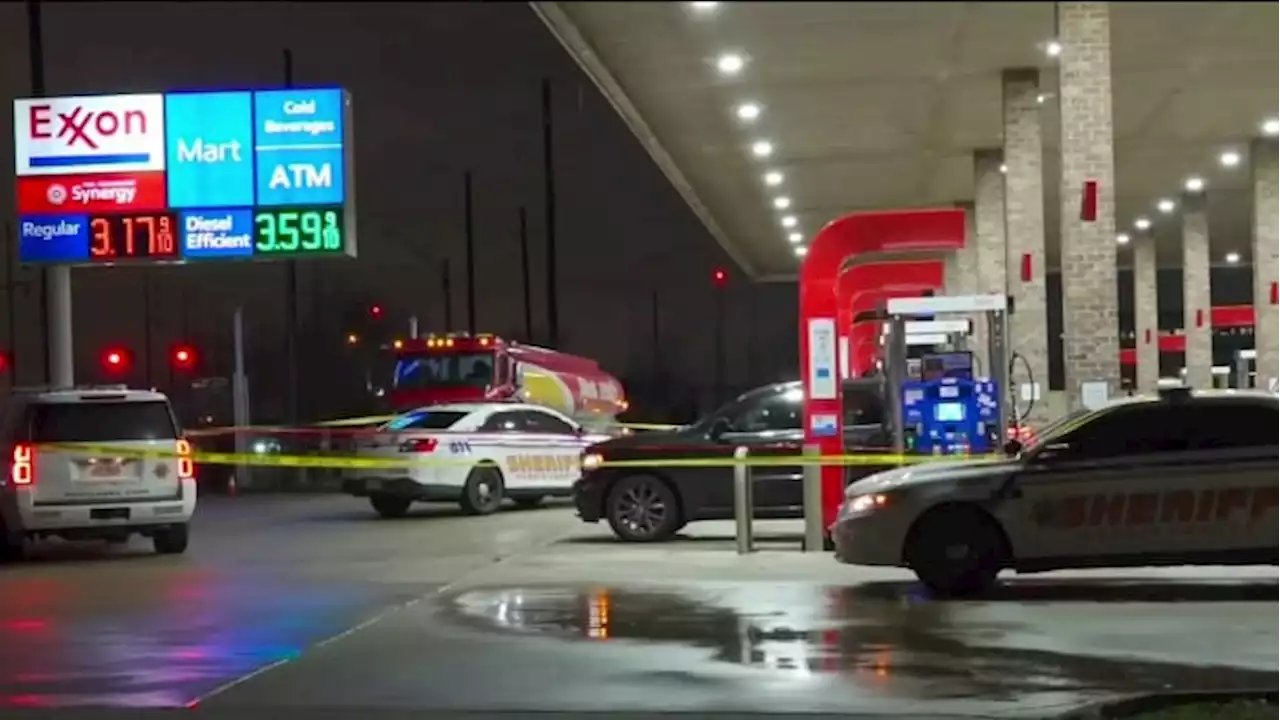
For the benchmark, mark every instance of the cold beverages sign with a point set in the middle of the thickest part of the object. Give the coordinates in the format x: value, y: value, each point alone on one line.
x: 222, y: 175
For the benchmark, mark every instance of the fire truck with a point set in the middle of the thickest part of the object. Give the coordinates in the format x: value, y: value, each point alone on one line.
x: 458, y: 367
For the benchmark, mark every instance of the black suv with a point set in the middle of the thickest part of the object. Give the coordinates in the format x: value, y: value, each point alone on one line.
x: 651, y: 503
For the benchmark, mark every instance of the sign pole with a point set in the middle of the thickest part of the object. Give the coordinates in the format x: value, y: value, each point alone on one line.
x: 59, y: 342
x: 524, y: 275
x: 471, y: 254
x: 291, y: 302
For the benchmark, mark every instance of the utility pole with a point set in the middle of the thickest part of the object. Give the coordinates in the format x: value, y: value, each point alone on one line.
x: 524, y: 276
x: 549, y: 184
x: 290, y: 303
x: 446, y: 289
x: 471, y: 254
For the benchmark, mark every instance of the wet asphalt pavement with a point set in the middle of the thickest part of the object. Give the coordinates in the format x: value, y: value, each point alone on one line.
x: 304, y: 603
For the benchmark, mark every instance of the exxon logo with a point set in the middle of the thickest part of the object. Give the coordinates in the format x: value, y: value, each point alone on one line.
x: 81, y: 127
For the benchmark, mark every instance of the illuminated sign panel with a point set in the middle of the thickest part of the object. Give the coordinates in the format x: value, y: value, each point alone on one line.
x: 209, y: 149
x: 184, y: 177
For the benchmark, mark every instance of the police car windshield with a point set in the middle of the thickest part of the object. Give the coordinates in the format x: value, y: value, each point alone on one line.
x: 1050, y: 433
x: 425, y: 420
x: 444, y: 370
x: 98, y: 421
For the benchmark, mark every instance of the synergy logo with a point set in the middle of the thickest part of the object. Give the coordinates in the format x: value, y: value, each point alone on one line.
x: 53, y: 239
x: 116, y: 192
x: 75, y: 135
x: 209, y: 146
x: 217, y: 234
x: 299, y: 146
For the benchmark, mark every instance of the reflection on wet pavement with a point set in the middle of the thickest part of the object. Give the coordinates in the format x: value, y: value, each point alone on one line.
x: 886, y: 637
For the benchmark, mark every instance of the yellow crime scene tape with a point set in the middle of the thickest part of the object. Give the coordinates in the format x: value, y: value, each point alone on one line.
x: 354, y: 425
x: 369, y: 463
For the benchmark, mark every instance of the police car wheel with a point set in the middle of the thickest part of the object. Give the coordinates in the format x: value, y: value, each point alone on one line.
x: 642, y: 508
x: 390, y: 506
x: 172, y: 540
x: 483, y: 492
x: 956, y: 551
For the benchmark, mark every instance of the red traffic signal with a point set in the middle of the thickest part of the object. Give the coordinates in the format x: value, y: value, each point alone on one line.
x: 116, y: 360
x: 720, y: 277
x: 183, y: 357
x: 4, y: 361
x: 375, y: 311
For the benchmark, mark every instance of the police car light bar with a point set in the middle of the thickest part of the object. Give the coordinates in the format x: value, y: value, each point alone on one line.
x: 944, y: 305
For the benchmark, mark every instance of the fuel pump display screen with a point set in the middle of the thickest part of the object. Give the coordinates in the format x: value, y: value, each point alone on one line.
x: 950, y: 412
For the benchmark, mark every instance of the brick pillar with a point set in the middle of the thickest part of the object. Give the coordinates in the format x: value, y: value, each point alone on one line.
x: 1091, y: 330
x: 1197, y: 326
x: 1266, y: 264
x: 1145, y: 315
x: 989, y: 239
x: 962, y: 265
x: 1024, y: 225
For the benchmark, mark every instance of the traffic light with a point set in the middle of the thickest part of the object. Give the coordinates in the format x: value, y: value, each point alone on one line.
x: 4, y: 362
x: 375, y: 311
x: 116, y: 360
x: 183, y: 357
x: 719, y: 277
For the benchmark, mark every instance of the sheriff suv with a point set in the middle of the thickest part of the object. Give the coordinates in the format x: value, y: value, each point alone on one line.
x: 86, y: 463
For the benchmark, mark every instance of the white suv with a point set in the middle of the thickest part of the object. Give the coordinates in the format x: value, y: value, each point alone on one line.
x: 93, y: 463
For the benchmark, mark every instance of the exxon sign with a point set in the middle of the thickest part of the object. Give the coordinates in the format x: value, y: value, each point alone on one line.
x: 90, y: 134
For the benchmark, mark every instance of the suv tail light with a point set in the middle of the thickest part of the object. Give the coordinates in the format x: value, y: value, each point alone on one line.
x: 419, y: 445
x: 186, y: 462
x: 22, y: 471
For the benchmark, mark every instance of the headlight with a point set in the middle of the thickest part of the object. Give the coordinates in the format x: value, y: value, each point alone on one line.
x: 866, y: 503
x: 591, y: 461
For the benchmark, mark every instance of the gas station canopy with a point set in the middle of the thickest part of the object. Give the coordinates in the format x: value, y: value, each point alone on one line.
x: 872, y: 105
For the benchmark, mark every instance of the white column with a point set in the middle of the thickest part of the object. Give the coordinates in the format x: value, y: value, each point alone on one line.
x: 989, y: 237
x: 1266, y: 263
x: 1197, y: 305
x: 1145, y: 314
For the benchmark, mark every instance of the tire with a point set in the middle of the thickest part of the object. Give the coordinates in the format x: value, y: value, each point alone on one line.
x: 482, y: 494
x: 528, y: 502
x: 643, y: 508
x: 957, y: 551
x: 172, y: 540
x: 390, y: 506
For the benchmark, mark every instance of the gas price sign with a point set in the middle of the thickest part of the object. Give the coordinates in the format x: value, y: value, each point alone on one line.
x: 184, y: 177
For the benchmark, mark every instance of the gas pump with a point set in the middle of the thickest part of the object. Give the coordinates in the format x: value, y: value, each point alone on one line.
x: 1245, y: 373
x: 946, y: 409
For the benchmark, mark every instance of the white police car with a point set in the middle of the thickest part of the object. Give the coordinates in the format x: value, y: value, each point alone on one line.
x: 475, y: 454
x: 101, y: 462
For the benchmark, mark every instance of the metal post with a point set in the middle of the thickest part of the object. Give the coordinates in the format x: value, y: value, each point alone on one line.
x: 291, y: 303
x: 743, y: 506
x: 813, y: 531
x: 471, y: 254
x: 549, y: 185
x: 1243, y: 381
x: 11, y: 300
x: 720, y: 346
x: 524, y: 276
x: 240, y: 398
x: 446, y: 291
x: 998, y: 356
x: 413, y: 327
x: 895, y: 368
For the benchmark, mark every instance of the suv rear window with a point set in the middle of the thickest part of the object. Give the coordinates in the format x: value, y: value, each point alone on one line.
x: 99, y: 421
x: 426, y: 420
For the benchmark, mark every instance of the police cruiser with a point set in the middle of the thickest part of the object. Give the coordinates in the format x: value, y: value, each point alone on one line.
x: 474, y: 454
x: 1185, y: 478
x: 86, y: 463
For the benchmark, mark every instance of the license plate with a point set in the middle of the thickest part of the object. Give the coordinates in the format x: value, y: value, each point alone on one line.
x: 104, y: 471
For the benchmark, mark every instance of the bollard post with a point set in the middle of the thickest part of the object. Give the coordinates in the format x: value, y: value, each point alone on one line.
x: 812, y: 479
x: 742, y: 503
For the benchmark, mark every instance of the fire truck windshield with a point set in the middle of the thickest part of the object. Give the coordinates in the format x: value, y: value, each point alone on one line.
x: 449, y: 369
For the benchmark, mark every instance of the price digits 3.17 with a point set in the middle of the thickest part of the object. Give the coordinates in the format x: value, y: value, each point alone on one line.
x: 294, y: 231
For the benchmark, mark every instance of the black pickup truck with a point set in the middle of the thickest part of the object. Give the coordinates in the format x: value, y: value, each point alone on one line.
x: 648, y: 504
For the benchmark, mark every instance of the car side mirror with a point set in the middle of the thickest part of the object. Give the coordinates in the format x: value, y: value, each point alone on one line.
x: 1053, y: 451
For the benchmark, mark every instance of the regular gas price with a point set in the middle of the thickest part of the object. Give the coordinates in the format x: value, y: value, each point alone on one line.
x: 298, y: 231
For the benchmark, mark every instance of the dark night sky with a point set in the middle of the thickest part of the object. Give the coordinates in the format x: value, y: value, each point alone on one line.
x: 437, y: 89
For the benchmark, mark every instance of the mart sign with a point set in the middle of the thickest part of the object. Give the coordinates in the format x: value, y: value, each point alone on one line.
x: 89, y: 134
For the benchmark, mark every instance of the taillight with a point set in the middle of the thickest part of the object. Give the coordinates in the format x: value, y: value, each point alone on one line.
x: 23, y: 468
x: 418, y: 445
x: 186, y: 463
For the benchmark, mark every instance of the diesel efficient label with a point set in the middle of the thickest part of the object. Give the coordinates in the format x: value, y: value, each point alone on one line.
x: 209, y: 234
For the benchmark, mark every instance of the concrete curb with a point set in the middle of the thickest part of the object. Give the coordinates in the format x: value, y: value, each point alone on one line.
x: 1152, y: 702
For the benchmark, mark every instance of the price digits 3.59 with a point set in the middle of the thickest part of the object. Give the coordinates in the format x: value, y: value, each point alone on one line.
x: 287, y: 231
